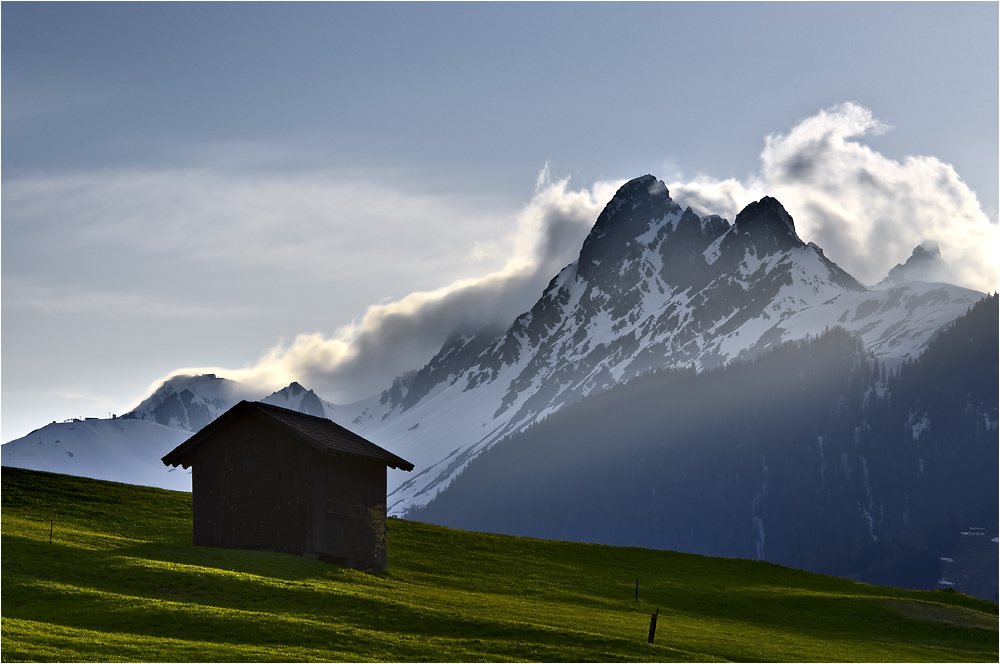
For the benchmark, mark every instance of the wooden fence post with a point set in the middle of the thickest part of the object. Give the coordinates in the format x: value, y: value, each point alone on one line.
x: 652, y: 624
x: 50, y: 530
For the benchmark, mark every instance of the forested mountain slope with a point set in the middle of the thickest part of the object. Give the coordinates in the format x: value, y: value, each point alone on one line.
x: 809, y: 456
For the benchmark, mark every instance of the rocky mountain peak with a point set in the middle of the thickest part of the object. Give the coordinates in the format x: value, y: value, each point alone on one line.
x: 635, y: 207
x: 296, y: 397
x: 189, y: 402
x: 641, y: 187
x: 767, y: 227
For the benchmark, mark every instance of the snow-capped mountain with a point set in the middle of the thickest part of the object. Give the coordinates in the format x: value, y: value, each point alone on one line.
x: 296, y: 397
x: 654, y: 286
x: 118, y: 449
x: 191, y: 402
x: 128, y: 448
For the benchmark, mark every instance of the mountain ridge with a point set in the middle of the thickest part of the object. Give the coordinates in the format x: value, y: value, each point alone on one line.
x: 654, y: 285
x: 811, y: 455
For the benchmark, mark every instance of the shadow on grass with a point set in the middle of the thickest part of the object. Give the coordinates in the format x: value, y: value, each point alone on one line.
x: 280, y: 618
x: 111, y: 592
x: 184, y: 592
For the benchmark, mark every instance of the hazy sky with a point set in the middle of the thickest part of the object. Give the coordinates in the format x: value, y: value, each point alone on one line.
x: 325, y: 192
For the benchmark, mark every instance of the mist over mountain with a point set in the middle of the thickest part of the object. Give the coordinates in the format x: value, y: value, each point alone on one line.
x: 654, y: 286
x: 924, y: 264
x: 811, y: 455
x: 190, y: 402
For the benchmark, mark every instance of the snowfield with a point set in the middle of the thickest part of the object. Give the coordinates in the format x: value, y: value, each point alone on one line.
x: 103, y: 450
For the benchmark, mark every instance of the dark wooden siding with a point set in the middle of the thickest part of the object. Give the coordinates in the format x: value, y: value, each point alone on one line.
x: 256, y: 487
x: 252, y: 490
x: 349, y: 510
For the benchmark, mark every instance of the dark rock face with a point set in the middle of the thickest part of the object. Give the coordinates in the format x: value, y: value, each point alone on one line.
x: 766, y: 228
x: 636, y: 206
x: 682, y: 248
x: 311, y: 405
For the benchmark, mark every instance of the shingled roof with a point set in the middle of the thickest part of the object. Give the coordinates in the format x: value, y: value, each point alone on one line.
x: 319, y: 432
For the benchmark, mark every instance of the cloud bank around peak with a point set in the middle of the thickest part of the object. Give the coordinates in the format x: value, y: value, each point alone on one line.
x: 393, y: 337
x: 865, y: 210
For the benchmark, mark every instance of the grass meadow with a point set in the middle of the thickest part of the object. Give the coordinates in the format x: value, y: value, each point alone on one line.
x: 121, y: 581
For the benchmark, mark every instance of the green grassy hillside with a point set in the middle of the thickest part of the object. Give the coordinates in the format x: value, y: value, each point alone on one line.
x: 121, y: 581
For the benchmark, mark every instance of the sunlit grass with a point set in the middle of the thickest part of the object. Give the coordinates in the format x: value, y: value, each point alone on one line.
x: 121, y: 581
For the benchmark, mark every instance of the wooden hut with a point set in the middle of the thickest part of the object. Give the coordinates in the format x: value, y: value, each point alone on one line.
x: 270, y: 478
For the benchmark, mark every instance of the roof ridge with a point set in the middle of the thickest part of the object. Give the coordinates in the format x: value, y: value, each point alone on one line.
x: 321, y: 432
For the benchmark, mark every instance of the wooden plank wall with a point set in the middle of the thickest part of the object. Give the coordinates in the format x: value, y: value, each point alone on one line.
x: 255, y: 487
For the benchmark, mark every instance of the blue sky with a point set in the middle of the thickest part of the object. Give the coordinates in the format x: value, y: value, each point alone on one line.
x: 192, y: 185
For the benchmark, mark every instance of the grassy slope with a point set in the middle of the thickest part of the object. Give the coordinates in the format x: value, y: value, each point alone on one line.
x: 121, y: 581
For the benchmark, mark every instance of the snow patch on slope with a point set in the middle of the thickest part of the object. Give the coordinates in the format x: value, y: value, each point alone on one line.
x: 119, y: 450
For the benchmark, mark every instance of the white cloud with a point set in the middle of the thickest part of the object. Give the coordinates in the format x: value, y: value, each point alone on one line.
x: 140, y: 227
x: 396, y: 336
x: 265, y: 237
x: 708, y: 196
x: 74, y: 300
x: 867, y: 211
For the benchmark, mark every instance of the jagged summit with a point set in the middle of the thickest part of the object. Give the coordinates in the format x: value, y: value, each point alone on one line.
x: 768, y: 226
x: 641, y: 225
x: 655, y: 286
x: 636, y: 205
x: 642, y: 229
x: 647, y: 182
x: 299, y: 398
